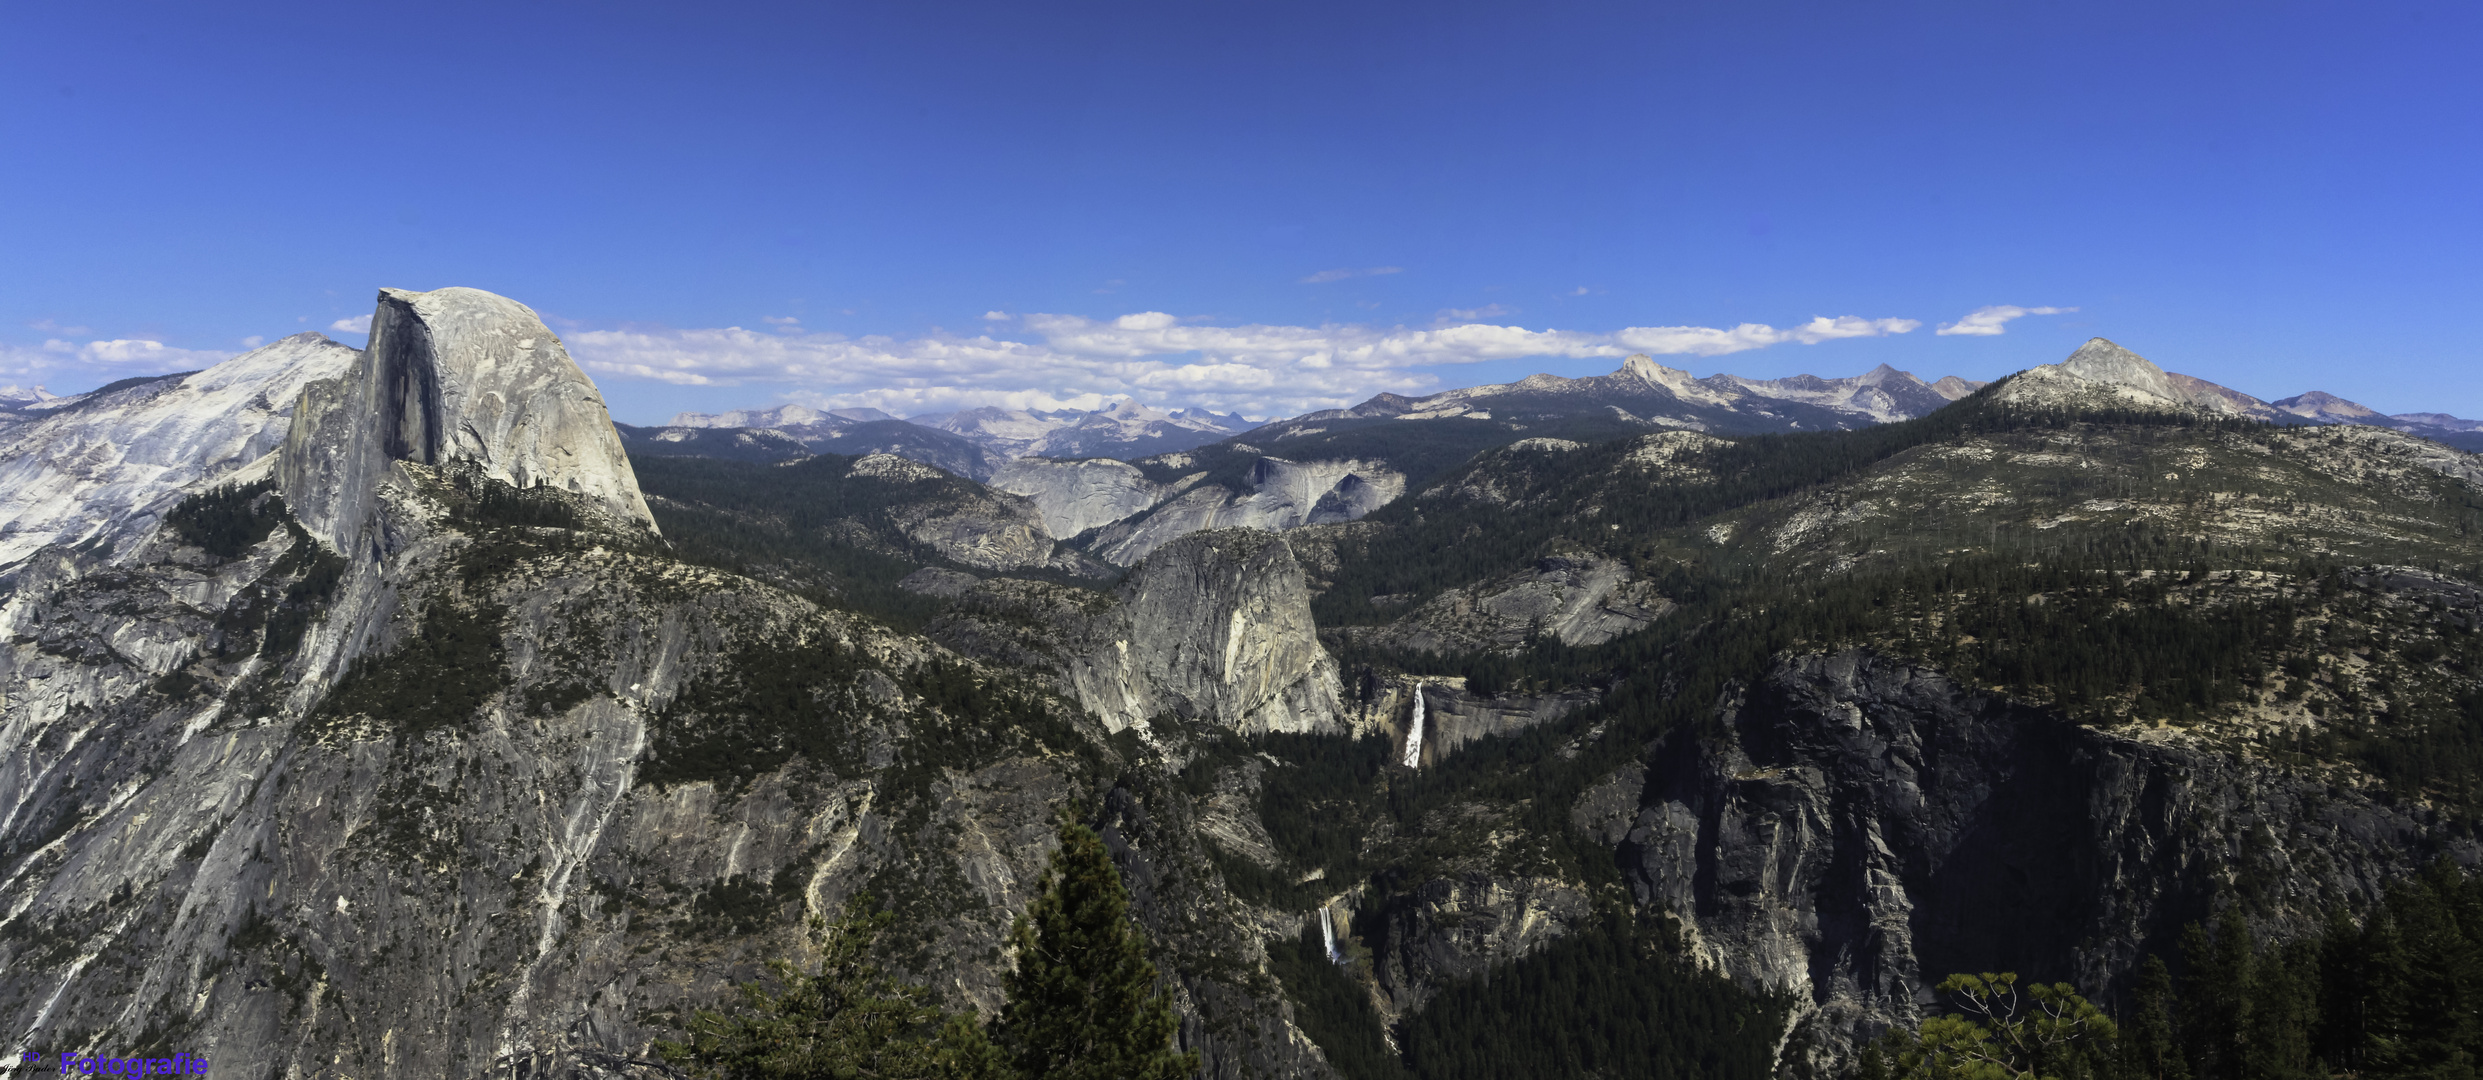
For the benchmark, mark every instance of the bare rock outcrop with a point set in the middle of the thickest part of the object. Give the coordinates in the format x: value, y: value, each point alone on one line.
x: 102, y: 469
x: 1579, y: 599
x: 1215, y: 626
x: 1075, y: 496
x: 1283, y: 495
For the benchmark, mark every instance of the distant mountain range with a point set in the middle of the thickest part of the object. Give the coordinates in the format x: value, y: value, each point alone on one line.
x: 1121, y: 430
x: 1642, y: 395
x: 2103, y: 373
x: 1647, y: 394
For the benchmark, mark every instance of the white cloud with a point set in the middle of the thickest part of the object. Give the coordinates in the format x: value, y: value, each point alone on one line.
x: 1994, y: 320
x: 359, y: 324
x: 1487, y: 311
x: 1325, y: 276
x: 1708, y: 341
x: 59, y: 356
x: 144, y: 353
x: 1151, y: 356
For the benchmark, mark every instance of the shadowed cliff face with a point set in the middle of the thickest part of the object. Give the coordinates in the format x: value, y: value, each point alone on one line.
x: 1859, y: 828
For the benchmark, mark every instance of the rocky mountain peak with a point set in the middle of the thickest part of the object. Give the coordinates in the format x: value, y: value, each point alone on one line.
x: 454, y: 375
x: 1955, y: 388
x: 1645, y: 367
x: 2099, y: 360
x: 14, y: 396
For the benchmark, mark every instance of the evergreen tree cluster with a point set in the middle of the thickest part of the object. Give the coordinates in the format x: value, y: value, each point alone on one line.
x: 807, y: 525
x: 2396, y: 993
x: 1083, y: 1002
x: 226, y: 521
x: 1607, y: 1002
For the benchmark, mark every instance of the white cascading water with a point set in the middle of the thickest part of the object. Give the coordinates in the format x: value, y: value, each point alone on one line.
x: 1414, y: 737
x: 1327, y: 932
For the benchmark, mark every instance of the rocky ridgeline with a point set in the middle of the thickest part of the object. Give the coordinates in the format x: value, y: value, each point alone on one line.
x: 1214, y: 627
x: 100, y: 470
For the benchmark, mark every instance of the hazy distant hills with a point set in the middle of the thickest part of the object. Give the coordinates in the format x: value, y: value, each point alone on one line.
x: 971, y: 442
x: 1652, y: 396
x: 792, y: 442
x: 1641, y: 396
x: 1125, y: 430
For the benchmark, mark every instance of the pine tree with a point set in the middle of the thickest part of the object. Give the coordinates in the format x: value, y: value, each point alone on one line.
x: 2343, y: 1020
x: 2283, y: 1012
x: 2215, y: 996
x: 2147, y: 1040
x: 1082, y: 999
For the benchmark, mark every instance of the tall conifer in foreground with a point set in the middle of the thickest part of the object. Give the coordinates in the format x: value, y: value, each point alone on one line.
x: 1082, y: 999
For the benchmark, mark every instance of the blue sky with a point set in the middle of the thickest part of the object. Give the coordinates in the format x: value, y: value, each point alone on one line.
x: 1260, y: 206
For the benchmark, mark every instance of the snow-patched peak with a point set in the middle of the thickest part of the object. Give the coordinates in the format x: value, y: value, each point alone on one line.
x: 782, y: 416
x: 1884, y: 394
x: 19, y: 397
x: 1125, y: 428
x: 454, y: 375
x: 779, y: 416
x: 1643, y: 391
x: 105, y: 467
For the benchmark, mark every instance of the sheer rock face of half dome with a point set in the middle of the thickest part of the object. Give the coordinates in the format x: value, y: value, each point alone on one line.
x: 455, y: 375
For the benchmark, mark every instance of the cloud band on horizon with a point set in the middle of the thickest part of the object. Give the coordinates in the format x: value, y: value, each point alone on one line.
x: 1257, y: 369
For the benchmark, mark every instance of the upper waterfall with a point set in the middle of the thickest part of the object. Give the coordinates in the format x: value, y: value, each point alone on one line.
x: 1414, y: 734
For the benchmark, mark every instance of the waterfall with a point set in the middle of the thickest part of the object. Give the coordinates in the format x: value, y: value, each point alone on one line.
x: 1327, y: 933
x: 1414, y: 737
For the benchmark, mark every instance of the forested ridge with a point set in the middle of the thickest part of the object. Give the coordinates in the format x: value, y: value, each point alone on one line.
x: 2138, y: 623
x: 2392, y: 991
